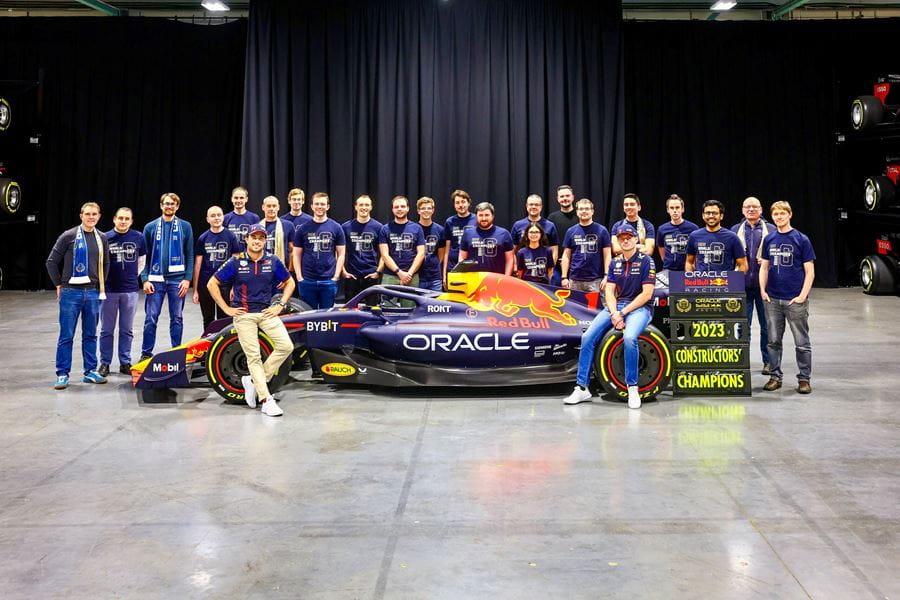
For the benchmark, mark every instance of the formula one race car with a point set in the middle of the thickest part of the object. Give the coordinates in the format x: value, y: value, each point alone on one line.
x: 881, y: 190
x: 488, y: 330
x: 879, y: 108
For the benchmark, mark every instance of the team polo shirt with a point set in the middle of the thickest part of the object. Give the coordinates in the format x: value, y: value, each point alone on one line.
x: 786, y: 253
x: 454, y: 229
x: 319, y: 242
x: 431, y: 268
x: 362, y: 246
x: 648, y: 228
x: 214, y: 249
x: 674, y: 239
x: 124, y: 251
x: 587, y: 244
x: 488, y: 247
x: 297, y: 220
x: 629, y: 276
x: 716, y: 250
x: 239, y: 225
x: 521, y: 225
x: 534, y: 262
x: 288, y: 231
x: 252, y: 281
x: 402, y: 240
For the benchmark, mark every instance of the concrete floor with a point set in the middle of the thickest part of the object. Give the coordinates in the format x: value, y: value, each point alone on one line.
x: 455, y: 494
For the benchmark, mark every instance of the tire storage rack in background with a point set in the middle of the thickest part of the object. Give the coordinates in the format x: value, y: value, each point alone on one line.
x: 709, y: 334
x: 868, y: 152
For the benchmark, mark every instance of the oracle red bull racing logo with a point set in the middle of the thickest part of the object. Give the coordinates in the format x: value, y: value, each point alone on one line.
x: 508, y: 295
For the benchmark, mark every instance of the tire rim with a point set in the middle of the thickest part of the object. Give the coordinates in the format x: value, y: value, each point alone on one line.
x: 865, y: 274
x: 871, y: 198
x: 650, y: 364
x: 856, y: 114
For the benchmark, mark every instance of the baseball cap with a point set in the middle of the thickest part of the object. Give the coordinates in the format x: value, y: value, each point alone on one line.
x: 625, y: 228
x: 257, y: 228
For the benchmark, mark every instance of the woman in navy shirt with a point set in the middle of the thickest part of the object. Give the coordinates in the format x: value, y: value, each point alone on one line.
x: 534, y: 259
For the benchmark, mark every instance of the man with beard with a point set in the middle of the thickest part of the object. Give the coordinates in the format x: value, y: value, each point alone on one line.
x: 488, y: 245
x: 714, y: 248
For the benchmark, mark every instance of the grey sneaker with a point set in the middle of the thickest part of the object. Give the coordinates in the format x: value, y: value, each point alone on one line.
x: 271, y: 408
x: 249, y: 391
x: 766, y: 369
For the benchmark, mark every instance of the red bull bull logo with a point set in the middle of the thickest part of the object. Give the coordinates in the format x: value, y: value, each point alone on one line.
x: 508, y: 295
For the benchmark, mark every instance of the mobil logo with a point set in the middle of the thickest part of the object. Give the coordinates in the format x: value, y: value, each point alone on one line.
x: 166, y: 368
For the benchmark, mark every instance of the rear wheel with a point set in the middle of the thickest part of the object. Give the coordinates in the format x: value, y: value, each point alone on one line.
x: 654, y: 369
x: 878, y: 274
x: 226, y: 364
x: 865, y: 112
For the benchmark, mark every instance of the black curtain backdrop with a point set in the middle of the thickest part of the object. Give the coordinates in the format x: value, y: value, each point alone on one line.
x: 132, y: 108
x: 419, y: 97
x: 732, y: 109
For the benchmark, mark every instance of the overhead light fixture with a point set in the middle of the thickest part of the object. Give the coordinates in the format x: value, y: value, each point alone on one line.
x: 724, y: 5
x: 215, y: 5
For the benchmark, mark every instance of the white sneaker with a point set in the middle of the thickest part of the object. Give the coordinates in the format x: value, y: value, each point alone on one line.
x: 578, y: 395
x: 271, y: 408
x: 634, y: 397
x: 249, y: 391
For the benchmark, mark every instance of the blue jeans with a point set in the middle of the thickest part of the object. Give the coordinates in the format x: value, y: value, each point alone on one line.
x: 118, y: 306
x: 74, y: 303
x: 435, y: 285
x: 797, y: 316
x: 635, y: 324
x: 754, y: 297
x: 153, y: 307
x: 318, y: 294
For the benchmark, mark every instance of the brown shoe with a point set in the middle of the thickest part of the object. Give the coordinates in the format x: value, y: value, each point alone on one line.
x: 803, y: 387
x: 773, y: 384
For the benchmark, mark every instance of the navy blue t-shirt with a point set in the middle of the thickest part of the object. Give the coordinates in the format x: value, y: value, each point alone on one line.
x: 586, y: 244
x: 253, y: 282
x: 650, y: 231
x: 124, y: 251
x: 402, y: 240
x: 521, y: 225
x: 239, y: 225
x: 534, y: 263
x: 319, y: 242
x: 786, y: 253
x: 362, y: 246
x: 629, y: 276
x: 297, y: 220
x: 287, y: 228
x: 715, y: 251
x: 454, y: 228
x: 674, y: 239
x: 488, y: 247
x: 215, y: 248
x: 431, y: 268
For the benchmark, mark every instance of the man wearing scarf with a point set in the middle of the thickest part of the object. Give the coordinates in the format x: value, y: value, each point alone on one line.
x: 78, y: 265
x: 751, y: 232
x: 279, y: 230
x: 168, y: 271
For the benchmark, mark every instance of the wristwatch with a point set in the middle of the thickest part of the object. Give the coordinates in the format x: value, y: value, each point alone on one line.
x: 280, y: 303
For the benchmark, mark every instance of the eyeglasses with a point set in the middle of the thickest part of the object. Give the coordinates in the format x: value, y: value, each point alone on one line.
x: 711, y: 213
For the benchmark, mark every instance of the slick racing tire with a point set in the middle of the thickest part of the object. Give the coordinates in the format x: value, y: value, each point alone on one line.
x: 878, y: 274
x: 294, y: 305
x: 226, y: 364
x: 10, y: 196
x: 654, y: 370
x: 865, y: 112
x: 879, y: 192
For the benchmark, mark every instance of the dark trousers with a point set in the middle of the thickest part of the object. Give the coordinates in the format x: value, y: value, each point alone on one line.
x: 208, y: 307
x: 354, y: 286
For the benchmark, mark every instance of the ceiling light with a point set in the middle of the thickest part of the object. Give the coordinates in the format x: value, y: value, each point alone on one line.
x: 215, y: 5
x: 724, y: 5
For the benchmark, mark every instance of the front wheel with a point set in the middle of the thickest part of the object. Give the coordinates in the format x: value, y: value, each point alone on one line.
x: 654, y: 368
x: 879, y: 192
x: 878, y: 274
x: 865, y: 112
x: 226, y: 364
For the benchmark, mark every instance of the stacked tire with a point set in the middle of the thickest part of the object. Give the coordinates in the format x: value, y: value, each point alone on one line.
x: 878, y: 274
